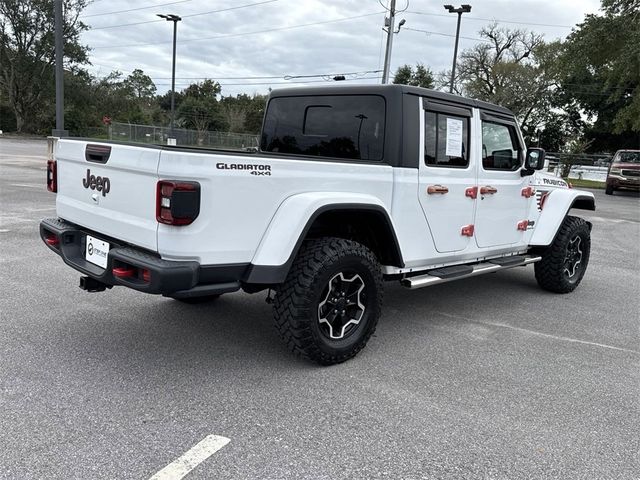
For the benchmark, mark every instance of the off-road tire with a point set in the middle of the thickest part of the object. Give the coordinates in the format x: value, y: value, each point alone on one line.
x: 197, y: 300
x: 308, y: 285
x: 551, y: 272
x: 609, y: 190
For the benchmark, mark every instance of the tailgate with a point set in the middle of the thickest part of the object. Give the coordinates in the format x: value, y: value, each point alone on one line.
x: 109, y: 188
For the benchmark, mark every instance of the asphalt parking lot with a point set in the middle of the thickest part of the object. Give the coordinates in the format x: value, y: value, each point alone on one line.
x: 487, y: 378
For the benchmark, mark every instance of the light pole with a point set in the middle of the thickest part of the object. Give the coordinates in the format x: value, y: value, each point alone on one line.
x: 460, y: 10
x: 175, y: 19
x: 59, y: 131
x: 389, y: 24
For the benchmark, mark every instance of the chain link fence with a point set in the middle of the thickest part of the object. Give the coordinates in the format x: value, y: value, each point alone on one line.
x: 129, y: 132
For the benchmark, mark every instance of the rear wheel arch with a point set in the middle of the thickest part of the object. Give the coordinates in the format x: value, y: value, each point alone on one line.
x: 368, y: 224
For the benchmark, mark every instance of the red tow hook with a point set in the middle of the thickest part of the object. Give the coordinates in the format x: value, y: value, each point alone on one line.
x: 51, y: 239
x: 124, y: 272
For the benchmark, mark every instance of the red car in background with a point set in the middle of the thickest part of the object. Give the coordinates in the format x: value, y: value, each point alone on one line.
x: 624, y: 171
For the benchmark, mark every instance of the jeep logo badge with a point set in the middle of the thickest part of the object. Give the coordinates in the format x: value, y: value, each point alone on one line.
x: 100, y: 184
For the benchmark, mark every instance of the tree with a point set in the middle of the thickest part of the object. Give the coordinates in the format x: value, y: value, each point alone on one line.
x: 558, y: 131
x: 140, y: 85
x: 234, y: 112
x: 512, y: 68
x: 600, y: 74
x: 27, y: 56
x: 140, y: 93
x: 243, y: 113
x: 199, y: 108
x: 421, y: 77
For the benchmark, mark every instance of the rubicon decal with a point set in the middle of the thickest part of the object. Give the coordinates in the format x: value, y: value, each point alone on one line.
x: 101, y: 184
x: 254, y: 169
x: 557, y: 183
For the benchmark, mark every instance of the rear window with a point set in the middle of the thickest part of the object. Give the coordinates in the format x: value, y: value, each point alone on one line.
x: 336, y: 126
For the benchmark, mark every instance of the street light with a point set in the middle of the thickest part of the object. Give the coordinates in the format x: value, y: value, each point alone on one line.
x: 388, y: 27
x: 175, y: 19
x: 460, y: 10
x: 59, y: 49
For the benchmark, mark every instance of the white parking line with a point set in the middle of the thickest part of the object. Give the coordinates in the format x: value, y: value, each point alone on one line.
x: 29, y: 185
x: 191, y: 458
x: 540, y: 334
x: 610, y: 220
x: 41, y: 209
x: 11, y: 155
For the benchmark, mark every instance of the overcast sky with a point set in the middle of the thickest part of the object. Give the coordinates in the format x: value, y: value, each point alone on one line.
x: 234, y: 47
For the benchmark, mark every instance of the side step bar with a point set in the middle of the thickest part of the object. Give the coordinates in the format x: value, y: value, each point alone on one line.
x: 457, y: 272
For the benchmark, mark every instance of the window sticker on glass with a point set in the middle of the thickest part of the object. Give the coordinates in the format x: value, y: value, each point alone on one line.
x: 454, y: 138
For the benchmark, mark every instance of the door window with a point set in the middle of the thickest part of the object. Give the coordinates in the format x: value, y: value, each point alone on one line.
x: 500, y: 149
x: 446, y: 140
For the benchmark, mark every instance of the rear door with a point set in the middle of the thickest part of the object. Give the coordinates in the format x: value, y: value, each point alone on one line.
x: 109, y: 189
x: 501, y: 204
x: 447, y: 175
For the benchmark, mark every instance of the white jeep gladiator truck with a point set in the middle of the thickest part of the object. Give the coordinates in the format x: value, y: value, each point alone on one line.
x: 351, y: 186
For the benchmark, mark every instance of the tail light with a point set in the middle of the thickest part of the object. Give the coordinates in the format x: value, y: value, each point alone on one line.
x: 52, y: 176
x: 177, y: 203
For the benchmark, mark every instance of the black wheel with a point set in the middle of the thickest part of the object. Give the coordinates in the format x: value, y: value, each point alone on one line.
x: 564, y: 263
x: 329, y: 305
x: 609, y: 190
x: 196, y: 300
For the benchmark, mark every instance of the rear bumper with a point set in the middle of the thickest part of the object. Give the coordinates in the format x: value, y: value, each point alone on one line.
x: 152, y: 273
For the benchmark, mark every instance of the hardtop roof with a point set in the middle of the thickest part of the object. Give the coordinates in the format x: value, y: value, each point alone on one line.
x: 387, y: 91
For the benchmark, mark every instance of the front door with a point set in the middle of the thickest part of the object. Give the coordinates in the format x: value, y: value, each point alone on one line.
x: 502, y: 205
x: 447, y: 171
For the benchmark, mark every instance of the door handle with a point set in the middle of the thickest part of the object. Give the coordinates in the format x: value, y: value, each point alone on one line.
x: 441, y: 189
x: 488, y: 190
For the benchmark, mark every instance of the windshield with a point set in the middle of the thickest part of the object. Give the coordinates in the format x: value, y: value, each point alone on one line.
x: 627, y: 157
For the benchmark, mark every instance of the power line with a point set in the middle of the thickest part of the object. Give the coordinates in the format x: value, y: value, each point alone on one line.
x: 254, y: 77
x: 133, y: 9
x: 243, y: 33
x: 285, y: 77
x: 281, y: 83
x: 222, y: 78
x: 232, y: 8
x: 183, y: 16
x: 443, y: 34
x: 494, y: 20
x: 290, y: 77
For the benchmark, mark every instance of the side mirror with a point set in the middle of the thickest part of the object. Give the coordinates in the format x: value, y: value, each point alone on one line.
x: 535, y: 159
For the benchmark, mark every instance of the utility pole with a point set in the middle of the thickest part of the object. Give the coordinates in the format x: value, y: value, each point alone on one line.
x: 460, y: 10
x: 59, y: 131
x: 175, y: 19
x: 389, y: 23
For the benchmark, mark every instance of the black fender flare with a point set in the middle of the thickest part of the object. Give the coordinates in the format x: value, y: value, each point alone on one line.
x: 275, y: 274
